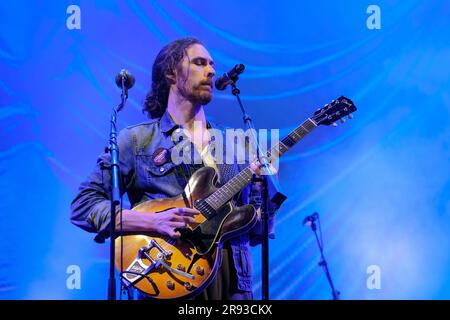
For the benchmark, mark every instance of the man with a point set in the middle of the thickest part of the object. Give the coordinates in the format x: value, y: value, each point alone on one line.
x: 182, y: 81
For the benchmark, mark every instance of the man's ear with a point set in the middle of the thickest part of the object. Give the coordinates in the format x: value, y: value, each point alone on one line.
x: 171, y: 76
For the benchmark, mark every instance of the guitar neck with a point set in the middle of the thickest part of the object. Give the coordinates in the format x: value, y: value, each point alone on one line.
x: 241, y: 180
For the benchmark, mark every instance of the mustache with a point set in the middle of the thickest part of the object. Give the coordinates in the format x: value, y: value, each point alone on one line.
x: 207, y: 83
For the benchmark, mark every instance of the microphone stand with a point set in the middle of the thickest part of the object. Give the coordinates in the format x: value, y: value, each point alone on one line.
x: 115, y: 188
x: 323, y: 262
x: 264, y: 194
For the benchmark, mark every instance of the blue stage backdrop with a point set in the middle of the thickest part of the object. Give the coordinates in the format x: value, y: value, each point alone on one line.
x: 380, y: 182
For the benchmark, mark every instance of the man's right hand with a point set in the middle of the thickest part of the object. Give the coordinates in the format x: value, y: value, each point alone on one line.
x: 163, y: 222
x: 169, y: 220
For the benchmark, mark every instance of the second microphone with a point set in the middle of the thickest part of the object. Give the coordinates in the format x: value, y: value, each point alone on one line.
x: 228, y: 77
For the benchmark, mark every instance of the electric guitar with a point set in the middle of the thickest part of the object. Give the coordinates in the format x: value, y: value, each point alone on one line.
x: 166, y: 268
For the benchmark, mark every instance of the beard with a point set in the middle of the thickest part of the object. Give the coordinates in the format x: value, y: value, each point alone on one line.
x: 196, y: 94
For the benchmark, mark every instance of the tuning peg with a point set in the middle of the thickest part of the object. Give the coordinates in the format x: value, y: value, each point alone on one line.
x: 350, y: 116
x: 342, y: 120
x: 334, y: 124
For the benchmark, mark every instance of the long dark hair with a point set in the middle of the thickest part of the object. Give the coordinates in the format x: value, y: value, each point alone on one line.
x: 166, y: 62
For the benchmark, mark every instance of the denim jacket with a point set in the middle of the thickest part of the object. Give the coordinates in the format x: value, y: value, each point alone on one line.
x: 144, y: 179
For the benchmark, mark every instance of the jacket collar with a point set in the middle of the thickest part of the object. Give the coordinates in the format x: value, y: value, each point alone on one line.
x: 167, y: 124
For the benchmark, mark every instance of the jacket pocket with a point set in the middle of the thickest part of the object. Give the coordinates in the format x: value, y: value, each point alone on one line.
x: 244, y: 265
x: 149, y: 173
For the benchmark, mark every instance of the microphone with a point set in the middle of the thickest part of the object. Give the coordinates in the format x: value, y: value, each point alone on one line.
x: 128, y: 79
x: 228, y: 77
x: 309, y: 220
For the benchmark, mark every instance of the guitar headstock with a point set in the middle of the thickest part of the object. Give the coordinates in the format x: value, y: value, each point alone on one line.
x: 334, y: 111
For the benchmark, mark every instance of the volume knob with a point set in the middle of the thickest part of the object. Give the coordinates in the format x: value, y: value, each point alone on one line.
x: 188, y: 285
x: 181, y: 267
x: 170, y: 284
x: 200, y: 271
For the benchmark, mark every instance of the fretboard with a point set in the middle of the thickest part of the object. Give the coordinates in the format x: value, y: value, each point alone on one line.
x: 238, y: 182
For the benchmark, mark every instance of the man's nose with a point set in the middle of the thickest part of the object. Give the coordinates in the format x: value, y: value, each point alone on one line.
x: 211, y: 72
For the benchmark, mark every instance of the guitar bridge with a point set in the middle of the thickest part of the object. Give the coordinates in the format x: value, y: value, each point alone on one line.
x: 138, y: 270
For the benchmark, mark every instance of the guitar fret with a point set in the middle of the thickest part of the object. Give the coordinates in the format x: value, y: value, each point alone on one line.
x: 211, y: 198
x: 305, y: 130
x: 289, y: 141
x: 283, y: 148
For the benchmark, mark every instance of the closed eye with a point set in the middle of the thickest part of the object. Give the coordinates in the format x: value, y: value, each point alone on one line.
x: 202, y: 62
